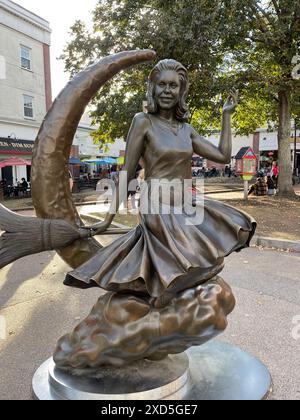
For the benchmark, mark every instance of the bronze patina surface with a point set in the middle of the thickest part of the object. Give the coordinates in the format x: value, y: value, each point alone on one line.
x: 51, y: 194
x: 156, y: 269
x: 123, y: 328
x: 164, y: 294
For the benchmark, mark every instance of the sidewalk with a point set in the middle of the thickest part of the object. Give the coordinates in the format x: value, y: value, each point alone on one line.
x: 38, y: 310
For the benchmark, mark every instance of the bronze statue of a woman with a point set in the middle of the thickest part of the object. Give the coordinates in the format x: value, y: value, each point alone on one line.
x: 164, y: 294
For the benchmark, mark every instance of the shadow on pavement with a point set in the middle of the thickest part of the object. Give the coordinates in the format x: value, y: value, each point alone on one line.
x: 43, y: 321
x: 19, y: 273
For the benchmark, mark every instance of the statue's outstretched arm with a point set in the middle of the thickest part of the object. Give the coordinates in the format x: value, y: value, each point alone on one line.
x: 222, y: 153
x: 134, y: 151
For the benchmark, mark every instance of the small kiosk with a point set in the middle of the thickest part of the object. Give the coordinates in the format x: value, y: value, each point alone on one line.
x: 246, y: 166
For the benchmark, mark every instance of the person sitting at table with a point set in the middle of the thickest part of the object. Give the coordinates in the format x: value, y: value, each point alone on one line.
x: 23, y: 186
x: 16, y: 188
x: 260, y: 188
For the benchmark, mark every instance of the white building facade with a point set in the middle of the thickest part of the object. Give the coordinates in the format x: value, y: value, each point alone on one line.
x: 25, y: 83
x: 268, y: 147
x: 264, y: 145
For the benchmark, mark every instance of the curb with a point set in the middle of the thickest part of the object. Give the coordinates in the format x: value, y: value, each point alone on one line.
x: 277, y: 243
x: 223, y: 191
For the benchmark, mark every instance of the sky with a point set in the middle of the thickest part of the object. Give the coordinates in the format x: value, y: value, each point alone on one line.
x: 61, y: 14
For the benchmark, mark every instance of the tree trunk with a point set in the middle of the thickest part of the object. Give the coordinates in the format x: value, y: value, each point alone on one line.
x: 285, y: 184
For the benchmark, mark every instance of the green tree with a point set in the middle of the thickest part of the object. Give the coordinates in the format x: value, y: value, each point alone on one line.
x: 265, y: 36
x: 248, y: 44
x: 183, y: 30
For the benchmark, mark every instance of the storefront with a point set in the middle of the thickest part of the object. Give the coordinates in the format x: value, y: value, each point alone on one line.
x: 298, y: 163
x: 10, y: 148
x: 268, y: 150
x: 267, y: 158
x: 268, y: 147
x: 296, y: 155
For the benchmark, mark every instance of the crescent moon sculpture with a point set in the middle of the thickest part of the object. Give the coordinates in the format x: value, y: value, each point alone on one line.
x: 51, y: 194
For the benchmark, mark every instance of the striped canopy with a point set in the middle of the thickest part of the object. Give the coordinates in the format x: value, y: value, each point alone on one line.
x: 14, y: 161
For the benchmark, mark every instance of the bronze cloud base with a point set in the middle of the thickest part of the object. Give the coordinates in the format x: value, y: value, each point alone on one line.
x: 124, y: 328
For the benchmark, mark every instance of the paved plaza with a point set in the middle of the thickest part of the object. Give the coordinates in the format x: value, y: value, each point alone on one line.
x: 38, y: 309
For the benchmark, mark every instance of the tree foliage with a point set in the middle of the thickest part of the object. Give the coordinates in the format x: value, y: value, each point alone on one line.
x: 265, y: 40
x: 183, y: 30
x: 247, y: 44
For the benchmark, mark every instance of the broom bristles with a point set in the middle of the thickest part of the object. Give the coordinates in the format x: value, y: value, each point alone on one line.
x: 30, y: 235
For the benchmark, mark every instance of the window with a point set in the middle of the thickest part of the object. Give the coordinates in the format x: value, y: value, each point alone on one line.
x: 28, y: 106
x: 25, y: 58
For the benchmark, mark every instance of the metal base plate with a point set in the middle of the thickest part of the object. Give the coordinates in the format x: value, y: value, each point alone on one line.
x: 143, y: 380
x: 217, y: 371
x: 220, y: 371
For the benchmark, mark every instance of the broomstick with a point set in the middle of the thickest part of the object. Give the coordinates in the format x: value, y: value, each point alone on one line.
x: 25, y: 235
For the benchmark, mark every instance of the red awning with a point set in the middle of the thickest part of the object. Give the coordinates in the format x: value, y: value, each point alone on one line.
x: 14, y: 161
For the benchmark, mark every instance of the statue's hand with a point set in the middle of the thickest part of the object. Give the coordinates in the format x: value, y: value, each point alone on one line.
x: 98, y: 228
x: 232, y: 102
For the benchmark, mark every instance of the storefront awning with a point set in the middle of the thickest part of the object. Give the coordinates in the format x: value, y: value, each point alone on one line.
x: 14, y: 162
x: 104, y: 161
x: 15, y: 147
x: 75, y: 161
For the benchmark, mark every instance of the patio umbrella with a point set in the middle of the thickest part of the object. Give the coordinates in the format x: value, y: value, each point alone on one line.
x: 110, y: 160
x: 76, y: 161
x: 104, y: 161
x: 14, y: 161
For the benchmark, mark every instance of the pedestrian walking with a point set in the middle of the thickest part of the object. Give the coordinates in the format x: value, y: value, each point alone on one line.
x: 271, y: 186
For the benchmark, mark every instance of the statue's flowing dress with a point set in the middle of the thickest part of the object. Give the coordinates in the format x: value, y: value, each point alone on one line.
x: 166, y: 252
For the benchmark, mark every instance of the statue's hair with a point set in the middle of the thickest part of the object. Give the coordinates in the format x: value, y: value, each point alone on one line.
x: 182, y: 112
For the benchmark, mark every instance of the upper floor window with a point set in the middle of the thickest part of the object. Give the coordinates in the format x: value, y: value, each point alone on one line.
x: 28, y: 106
x: 25, y: 58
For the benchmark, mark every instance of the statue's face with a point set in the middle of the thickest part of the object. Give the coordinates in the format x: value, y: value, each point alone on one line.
x: 167, y: 89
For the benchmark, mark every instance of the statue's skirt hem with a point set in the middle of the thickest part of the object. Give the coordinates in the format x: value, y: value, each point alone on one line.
x: 165, y: 252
